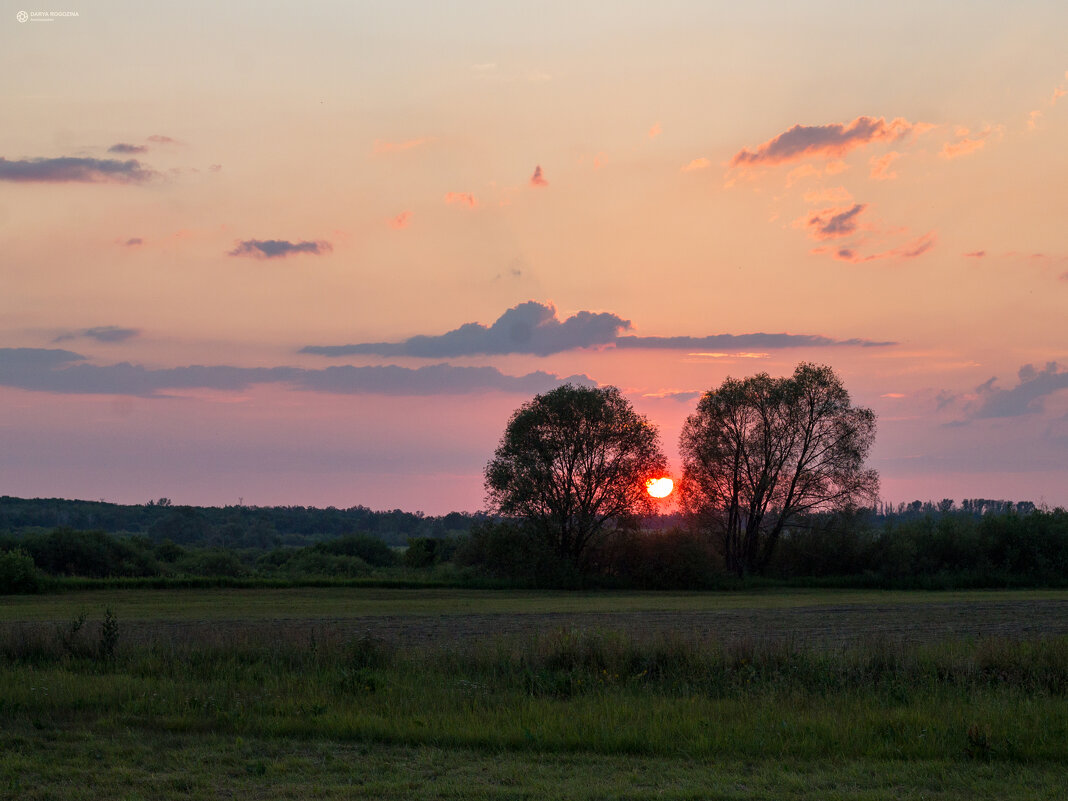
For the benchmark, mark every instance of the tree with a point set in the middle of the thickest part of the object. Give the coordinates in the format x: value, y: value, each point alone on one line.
x: 760, y: 452
x: 573, y: 464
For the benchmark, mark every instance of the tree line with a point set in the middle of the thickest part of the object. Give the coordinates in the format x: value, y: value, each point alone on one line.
x: 933, y: 549
x: 235, y: 526
x: 774, y: 486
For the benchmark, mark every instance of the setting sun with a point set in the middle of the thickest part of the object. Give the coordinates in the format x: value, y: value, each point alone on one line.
x: 659, y: 487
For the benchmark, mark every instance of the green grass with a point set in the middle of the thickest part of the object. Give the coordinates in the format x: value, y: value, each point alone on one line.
x: 79, y: 764
x: 291, y: 694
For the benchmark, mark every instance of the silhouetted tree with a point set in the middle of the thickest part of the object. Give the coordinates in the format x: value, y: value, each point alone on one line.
x: 573, y: 464
x: 761, y: 451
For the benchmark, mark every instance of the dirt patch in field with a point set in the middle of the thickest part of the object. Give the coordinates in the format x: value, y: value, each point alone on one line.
x: 822, y: 625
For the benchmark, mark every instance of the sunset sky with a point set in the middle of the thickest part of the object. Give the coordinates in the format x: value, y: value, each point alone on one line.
x: 317, y: 253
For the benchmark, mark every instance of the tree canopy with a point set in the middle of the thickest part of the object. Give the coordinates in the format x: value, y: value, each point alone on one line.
x: 573, y: 464
x: 761, y: 451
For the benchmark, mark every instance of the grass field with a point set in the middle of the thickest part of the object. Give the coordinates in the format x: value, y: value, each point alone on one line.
x: 363, y: 693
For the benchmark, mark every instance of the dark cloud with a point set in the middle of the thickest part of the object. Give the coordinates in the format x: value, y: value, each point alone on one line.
x: 133, y: 241
x: 534, y: 328
x: 832, y: 140
x: 124, y: 147
x: 54, y: 370
x: 976, y: 254
x: 277, y: 248
x: 834, y: 223
x: 1026, y: 397
x: 101, y: 333
x: 71, y: 170
x: 530, y: 327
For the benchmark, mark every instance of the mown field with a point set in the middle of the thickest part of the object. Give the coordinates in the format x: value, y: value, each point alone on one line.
x: 333, y: 693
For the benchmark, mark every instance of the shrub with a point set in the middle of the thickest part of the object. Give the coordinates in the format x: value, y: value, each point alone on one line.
x: 672, y: 559
x: 18, y: 573
x: 213, y: 563
x: 429, y: 551
x: 313, y: 562
x: 511, y: 551
x: 370, y: 549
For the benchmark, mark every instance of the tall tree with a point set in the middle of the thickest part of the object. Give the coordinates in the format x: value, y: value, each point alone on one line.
x: 573, y: 463
x: 761, y: 451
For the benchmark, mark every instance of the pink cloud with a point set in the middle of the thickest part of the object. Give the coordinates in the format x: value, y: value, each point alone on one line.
x: 975, y: 254
x: 881, y: 166
x: 910, y: 250
x: 401, y: 220
x: 461, y: 198
x: 538, y: 179
x: 697, y: 164
x: 655, y: 131
x: 822, y: 141
x: 832, y: 223
x: 382, y: 146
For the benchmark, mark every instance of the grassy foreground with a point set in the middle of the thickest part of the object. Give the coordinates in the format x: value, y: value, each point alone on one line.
x: 81, y: 765
x: 320, y: 709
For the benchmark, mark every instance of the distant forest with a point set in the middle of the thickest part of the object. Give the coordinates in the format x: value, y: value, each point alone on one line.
x: 52, y: 544
x: 229, y: 526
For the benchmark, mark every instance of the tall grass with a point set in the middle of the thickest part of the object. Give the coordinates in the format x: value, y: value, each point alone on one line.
x: 569, y: 690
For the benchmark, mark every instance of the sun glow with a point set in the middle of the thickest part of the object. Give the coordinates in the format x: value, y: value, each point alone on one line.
x: 659, y: 487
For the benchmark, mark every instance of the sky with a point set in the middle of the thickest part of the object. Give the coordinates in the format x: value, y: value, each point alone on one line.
x: 317, y: 253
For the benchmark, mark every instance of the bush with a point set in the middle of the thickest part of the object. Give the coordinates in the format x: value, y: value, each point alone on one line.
x: 370, y: 549
x: 511, y: 551
x: 428, y: 551
x: 95, y: 554
x: 18, y: 573
x: 213, y: 563
x: 313, y: 562
x: 675, y: 559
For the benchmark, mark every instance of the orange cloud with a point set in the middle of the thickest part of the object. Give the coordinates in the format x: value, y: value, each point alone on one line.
x: 401, y: 220
x: 697, y: 164
x: 822, y: 141
x: 967, y: 143
x: 880, y: 166
x: 655, y: 131
x: 382, y: 146
x: 538, y: 179
x: 461, y: 198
